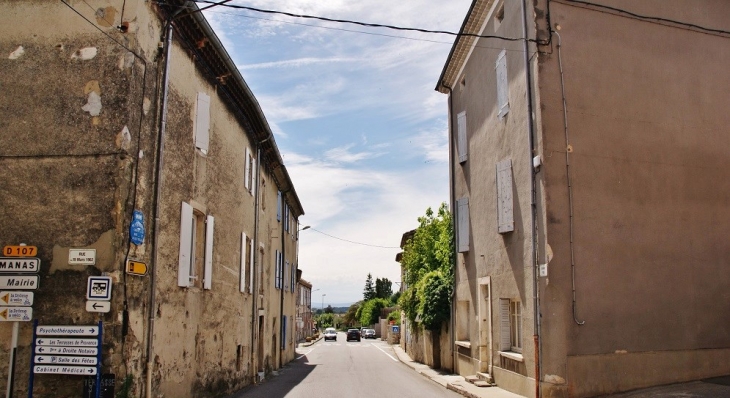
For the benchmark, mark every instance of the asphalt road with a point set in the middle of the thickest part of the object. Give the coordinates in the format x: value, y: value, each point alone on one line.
x: 336, y: 369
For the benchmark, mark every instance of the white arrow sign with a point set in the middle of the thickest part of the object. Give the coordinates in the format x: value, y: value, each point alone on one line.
x: 19, y: 282
x: 49, y: 341
x: 58, y: 360
x: 62, y: 330
x: 98, y: 306
x: 65, y: 350
x: 24, y: 299
x: 65, y: 370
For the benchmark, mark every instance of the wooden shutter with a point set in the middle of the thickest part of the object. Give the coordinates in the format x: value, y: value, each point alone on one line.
x: 186, y: 245
x: 461, y: 143
x: 247, y: 173
x: 278, y: 205
x: 502, y: 84
x: 505, y: 205
x: 504, y: 329
x: 462, y: 232
x: 251, y: 274
x: 202, y: 122
x: 285, y: 275
x: 208, y: 272
x: 254, y: 181
x: 242, y: 276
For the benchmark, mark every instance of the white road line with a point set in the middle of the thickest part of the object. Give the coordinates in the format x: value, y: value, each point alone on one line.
x: 391, y: 357
x: 303, y: 355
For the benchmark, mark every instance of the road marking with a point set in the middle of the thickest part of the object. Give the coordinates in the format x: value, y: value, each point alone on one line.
x: 303, y: 355
x: 391, y: 357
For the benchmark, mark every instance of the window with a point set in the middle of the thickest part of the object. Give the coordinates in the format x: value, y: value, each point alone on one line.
x: 246, y: 272
x: 195, y: 264
x: 505, y: 206
x: 461, y: 144
x: 462, y: 224
x: 286, y: 273
x: 249, y: 181
x: 202, y: 122
x: 293, y: 277
x: 279, y: 277
x: 510, y: 313
x: 502, y: 84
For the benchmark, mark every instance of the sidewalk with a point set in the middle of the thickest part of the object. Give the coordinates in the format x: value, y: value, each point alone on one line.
x: 452, y: 382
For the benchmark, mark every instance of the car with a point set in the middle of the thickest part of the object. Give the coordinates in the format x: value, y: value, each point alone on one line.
x: 368, y: 334
x: 330, y: 334
x: 353, y: 334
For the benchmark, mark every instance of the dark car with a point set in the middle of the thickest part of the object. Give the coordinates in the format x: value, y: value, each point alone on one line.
x: 353, y: 334
x: 368, y: 334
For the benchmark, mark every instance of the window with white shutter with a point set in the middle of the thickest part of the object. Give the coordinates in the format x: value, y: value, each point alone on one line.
x: 186, y: 253
x: 208, y: 273
x: 461, y: 143
x: 505, y: 341
x: 247, y: 171
x: 202, y: 122
x: 462, y: 224
x: 251, y: 265
x: 510, y: 325
x: 505, y: 205
x: 285, y: 275
x: 243, y: 271
x: 502, y: 84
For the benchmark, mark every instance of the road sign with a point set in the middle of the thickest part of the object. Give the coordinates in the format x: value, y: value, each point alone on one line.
x: 82, y: 256
x: 63, y: 330
x: 16, y: 265
x: 136, y: 228
x: 65, y: 370
x: 16, y: 314
x: 62, y: 360
x: 54, y: 342
x: 99, y: 288
x: 136, y: 268
x: 19, y: 282
x: 98, y: 306
x: 20, y: 251
x: 16, y: 298
x: 46, y: 350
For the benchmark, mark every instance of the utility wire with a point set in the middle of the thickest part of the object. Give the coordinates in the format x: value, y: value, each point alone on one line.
x: 370, y: 25
x: 353, y: 242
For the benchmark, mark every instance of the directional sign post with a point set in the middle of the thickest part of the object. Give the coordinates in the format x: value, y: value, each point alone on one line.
x: 16, y: 314
x: 20, y: 251
x: 19, y: 265
x: 16, y: 299
x: 98, y: 306
x: 19, y: 282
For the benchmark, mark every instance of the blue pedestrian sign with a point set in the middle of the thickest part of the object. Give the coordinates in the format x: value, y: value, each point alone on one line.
x: 136, y: 228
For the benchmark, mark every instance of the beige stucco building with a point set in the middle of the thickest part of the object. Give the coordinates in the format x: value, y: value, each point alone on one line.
x: 587, y: 171
x: 110, y: 107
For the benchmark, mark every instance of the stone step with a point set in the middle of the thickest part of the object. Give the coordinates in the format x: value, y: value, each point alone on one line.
x: 471, y: 379
x: 482, y: 383
x: 485, y: 377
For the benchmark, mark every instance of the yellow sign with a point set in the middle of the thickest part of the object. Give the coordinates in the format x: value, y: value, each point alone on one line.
x: 136, y: 268
x: 20, y: 251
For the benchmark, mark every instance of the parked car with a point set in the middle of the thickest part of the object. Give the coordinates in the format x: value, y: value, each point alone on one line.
x: 330, y: 334
x: 353, y: 334
x: 368, y: 334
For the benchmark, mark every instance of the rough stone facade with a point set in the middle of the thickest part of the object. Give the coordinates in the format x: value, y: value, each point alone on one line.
x: 81, y: 114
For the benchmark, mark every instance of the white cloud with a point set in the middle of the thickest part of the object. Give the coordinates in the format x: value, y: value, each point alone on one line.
x: 298, y: 62
x: 344, y: 155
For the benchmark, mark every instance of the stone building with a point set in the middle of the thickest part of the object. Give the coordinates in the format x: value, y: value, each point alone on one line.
x: 305, y: 321
x: 113, y: 111
x: 587, y: 170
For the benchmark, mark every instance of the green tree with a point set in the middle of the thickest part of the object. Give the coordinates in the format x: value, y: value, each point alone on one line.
x: 383, y: 288
x: 394, y: 298
x: 329, y: 310
x: 370, y: 311
x: 369, y: 291
x: 429, y: 270
x: 350, y: 318
x: 325, y: 321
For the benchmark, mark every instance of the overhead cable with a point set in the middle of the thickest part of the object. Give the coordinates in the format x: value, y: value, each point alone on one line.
x: 353, y: 242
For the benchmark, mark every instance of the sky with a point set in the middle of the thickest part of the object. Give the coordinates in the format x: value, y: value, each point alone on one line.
x: 363, y: 133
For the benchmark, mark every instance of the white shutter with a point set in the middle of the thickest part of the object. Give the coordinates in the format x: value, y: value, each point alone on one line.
x: 208, y: 273
x: 278, y: 205
x: 202, y: 122
x: 276, y: 262
x: 504, y: 329
x: 461, y: 144
x: 253, y: 177
x: 462, y: 224
x: 286, y: 275
x: 186, y: 245
x: 502, y: 84
x: 251, y: 274
x: 247, y: 173
x: 242, y: 276
x: 505, y: 205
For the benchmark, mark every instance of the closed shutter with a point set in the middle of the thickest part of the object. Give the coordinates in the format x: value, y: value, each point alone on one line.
x: 202, y: 122
x: 242, y: 277
x: 251, y: 274
x: 293, y: 277
x: 502, y: 84
x: 286, y: 275
x: 462, y: 232
x: 186, y: 245
x: 461, y: 144
x: 278, y: 205
x: 276, y: 266
x: 504, y: 330
x: 253, y: 176
x: 505, y: 205
x: 208, y: 272
x: 247, y: 172
x: 283, y: 332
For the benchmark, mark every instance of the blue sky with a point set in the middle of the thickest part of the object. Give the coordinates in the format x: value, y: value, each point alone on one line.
x: 362, y: 132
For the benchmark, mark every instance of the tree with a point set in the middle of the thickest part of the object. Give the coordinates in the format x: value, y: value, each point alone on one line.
x: 370, y: 311
x: 383, y: 288
x: 429, y: 270
x: 350, y: 318
x: 369, y: 292
x: 329, y: 310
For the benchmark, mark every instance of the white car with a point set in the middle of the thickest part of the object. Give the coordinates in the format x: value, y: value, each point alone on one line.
x: 330, y: 334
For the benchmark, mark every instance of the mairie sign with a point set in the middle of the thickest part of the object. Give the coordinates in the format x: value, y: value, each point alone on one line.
x: 19, y: 282
x: 19, y: 264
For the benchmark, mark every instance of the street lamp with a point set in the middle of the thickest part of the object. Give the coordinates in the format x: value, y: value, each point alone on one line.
x: 323, y: 302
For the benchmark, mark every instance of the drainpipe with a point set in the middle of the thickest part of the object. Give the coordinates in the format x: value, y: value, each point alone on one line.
x: 454, y: 256
x: 158, y: 196
x: 533, y: 199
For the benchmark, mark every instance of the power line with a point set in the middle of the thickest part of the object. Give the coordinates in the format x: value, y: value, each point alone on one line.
x: 353, y: 242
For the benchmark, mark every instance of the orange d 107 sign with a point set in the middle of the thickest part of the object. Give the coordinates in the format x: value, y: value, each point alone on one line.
x: 20, y: 251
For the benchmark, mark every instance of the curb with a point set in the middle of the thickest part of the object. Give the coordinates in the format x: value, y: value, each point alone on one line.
x: 311, y: 342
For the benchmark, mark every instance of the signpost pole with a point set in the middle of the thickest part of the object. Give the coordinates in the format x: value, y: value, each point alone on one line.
x: 98, y: 363
x: 32, y: 350
x: 11, y: 367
